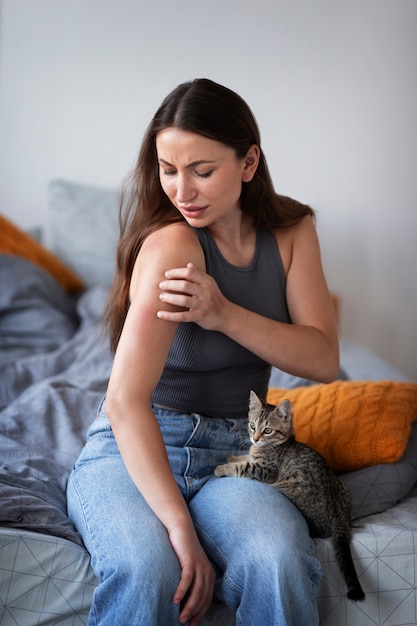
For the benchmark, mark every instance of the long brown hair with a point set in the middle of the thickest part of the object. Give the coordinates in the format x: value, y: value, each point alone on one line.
x: 209, y: 109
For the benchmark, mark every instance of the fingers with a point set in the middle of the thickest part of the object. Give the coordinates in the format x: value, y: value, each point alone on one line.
x: 196, y: 595
x: 195, y: 296
x: 182, y: 280
x: 196, y: 586
x: 180, y: 289
x: 190, y: 272
x: 184, y: 585
x: 185, y: 304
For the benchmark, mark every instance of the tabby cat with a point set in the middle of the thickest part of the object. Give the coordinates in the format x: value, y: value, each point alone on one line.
x: 302, y: 474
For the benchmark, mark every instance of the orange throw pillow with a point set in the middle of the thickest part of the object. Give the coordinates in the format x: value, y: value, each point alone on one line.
x: 15, y: 241
x: 353, y: 424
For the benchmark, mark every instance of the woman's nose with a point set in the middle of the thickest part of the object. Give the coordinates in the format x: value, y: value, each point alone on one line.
x: 185, y: 190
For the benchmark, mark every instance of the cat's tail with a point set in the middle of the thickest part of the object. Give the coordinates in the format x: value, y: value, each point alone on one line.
x: 344, y: 559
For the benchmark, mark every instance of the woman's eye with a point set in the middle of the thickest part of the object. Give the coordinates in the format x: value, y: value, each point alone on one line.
x: 169, y: 172
x: 204, y: 174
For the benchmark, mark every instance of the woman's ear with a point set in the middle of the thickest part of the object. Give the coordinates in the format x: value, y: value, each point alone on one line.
x: 251, y: 161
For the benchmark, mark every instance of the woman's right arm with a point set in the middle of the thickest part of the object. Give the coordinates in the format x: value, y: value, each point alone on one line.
x: 139, y: 360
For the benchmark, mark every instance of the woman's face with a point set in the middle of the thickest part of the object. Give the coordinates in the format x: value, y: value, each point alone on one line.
x: 202, y: 178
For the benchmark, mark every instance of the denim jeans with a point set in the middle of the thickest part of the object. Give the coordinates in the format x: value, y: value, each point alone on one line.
x: 255, y: 537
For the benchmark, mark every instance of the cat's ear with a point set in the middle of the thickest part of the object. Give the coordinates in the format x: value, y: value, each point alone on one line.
x: 255, y: 403
x: 285, y: 408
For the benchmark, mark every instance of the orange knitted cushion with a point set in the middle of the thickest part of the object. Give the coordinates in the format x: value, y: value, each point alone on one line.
x: 15, y: 241
x: 353, y: 424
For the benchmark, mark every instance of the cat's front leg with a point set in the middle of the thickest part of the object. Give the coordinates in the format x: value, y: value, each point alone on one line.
x: 234, y: 458
x: 224, y: 470
x: 241, y: 468
x: 233, y: 465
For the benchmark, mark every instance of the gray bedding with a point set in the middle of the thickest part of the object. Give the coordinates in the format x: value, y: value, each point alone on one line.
x: 53, y: 371
x: 54, y: 367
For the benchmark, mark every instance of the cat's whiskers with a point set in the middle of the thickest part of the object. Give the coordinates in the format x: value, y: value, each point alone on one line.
x: 243, y: 443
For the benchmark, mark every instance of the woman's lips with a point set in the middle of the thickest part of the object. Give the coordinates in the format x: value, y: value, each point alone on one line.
x: 193, y: 211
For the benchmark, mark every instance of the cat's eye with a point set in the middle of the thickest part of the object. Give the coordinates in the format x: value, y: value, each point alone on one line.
x: 252, y: 425
x: 267, y: 431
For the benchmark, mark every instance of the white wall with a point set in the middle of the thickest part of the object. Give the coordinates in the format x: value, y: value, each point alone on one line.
x: 332, y: 83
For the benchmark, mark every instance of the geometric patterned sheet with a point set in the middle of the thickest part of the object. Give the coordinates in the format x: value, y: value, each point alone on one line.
x: 44, y: 580
x: 48, y: 581
x: 384, y: 550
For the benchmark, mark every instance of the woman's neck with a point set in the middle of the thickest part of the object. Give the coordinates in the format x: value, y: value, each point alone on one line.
x: 236, y: 239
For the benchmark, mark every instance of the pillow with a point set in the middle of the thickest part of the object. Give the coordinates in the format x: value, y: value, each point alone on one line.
x: 84, y: 223
x: 353, y: 424
x: 377, y: 488
x: 15, y: 241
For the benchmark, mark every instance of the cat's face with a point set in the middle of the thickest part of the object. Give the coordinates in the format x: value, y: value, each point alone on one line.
x: 268, y: 423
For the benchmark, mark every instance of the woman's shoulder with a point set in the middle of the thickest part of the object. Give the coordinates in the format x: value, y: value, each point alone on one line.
x: 174, y: 241
x: 289, y: 237
x: 173, y: 245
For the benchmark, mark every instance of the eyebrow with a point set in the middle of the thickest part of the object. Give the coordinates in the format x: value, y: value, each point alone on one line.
x: 193, y: 164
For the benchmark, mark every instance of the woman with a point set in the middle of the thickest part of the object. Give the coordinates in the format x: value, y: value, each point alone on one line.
x: 217, y: 279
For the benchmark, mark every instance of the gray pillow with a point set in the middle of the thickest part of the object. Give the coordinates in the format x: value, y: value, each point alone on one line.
x: 377, y: 488
x: 84, y: 229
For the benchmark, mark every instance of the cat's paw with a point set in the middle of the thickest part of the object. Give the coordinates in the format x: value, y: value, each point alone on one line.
x: 220, y: 470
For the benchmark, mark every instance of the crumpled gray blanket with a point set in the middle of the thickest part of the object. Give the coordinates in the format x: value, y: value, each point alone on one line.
x: 54, y: 368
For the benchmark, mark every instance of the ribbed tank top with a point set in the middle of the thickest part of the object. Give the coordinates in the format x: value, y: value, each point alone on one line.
x: 208, y: 373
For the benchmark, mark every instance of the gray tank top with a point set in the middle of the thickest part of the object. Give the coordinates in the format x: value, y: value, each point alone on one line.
x: 208, y: 373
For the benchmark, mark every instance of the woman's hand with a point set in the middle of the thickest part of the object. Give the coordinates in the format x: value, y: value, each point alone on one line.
x: 197, y: 296
x: 196, y: 586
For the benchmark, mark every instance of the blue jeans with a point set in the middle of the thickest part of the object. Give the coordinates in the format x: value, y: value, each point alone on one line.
x: 255, y: 537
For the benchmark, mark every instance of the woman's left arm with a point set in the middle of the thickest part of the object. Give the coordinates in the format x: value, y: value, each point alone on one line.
x: 307, y: 347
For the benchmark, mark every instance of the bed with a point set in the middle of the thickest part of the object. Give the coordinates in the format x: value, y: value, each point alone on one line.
x: 54, y: 365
